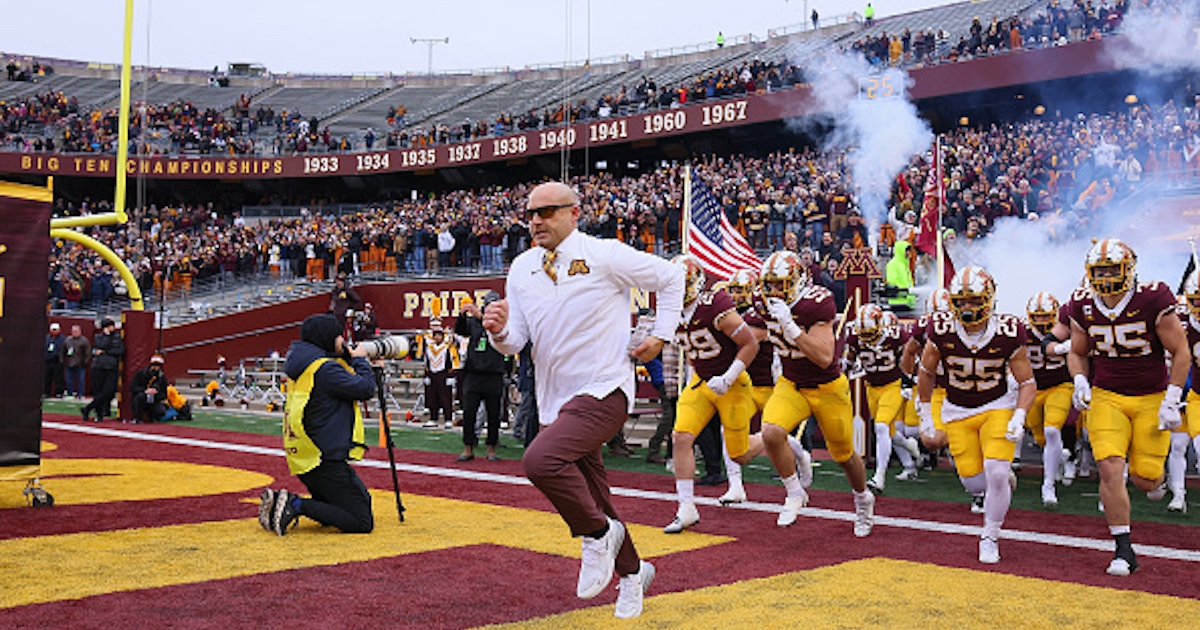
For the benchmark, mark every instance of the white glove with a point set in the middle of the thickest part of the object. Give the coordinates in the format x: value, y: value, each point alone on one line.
x: 1061, y: 348
x: 1016, y: 427
x: 906, y: 387
x: 1168, y: 411
x: 450, y: 382
x: 925, y: 412
x: 718, y: 384
x: 721, y: 383
x: 1082, y: 397
x: 778, y: 310
x: 426, y: 381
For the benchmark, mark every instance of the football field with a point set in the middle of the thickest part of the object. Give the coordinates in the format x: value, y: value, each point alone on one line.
x: 156, y: 526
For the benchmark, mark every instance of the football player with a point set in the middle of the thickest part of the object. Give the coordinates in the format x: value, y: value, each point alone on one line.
x: 937, y: 302
x: 877, y: 349
x: 719, y: 345
x: 1049, y: 342
x: 742, y: 287
x: 983, y: 417
x: 1177, y: 460
x: 906, y: 436
x: 1120, y: 329
x: 800, y: 325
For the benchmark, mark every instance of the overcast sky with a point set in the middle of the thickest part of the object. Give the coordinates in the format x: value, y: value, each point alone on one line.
x: 374, y: 36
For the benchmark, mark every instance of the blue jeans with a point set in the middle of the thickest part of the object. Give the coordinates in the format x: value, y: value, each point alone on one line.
x: 75, y: 376
x: 775, y: 234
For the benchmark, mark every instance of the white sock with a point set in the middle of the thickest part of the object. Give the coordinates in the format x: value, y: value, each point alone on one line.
x: 883, y: 449
x: 859, y: 497
x: 1177, y: 462
x: 686, y: 490
x: 902, y: 453
x: 1017, y: 450
x: 999, y: 493
x: 794, y: 489
x: 1117, y: 530
x: 1051, y: 456
x: 796, y: 446
x: 976, y: 484
x: 1196, y: 445
x: 733, y: 470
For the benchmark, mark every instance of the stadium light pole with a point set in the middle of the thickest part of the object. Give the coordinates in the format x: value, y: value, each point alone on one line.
x: 431, y: 42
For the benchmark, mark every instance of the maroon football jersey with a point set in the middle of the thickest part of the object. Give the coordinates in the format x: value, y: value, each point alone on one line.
x: 920, y: 334
x: 1127, y: 355
x: 880, y: 361
x: 1048, y: 370
x: 709, y: 350
x: 976, y: 374
x: 816, y: 305
x: 760, y: 368
x: 1193, y: 337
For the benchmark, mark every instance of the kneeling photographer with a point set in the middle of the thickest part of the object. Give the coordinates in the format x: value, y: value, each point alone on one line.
x: 323, y: 430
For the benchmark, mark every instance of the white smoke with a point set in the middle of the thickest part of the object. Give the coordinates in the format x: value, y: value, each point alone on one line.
x: 1164, y: 36
x: 1048, y: 255
x: 872, y: 119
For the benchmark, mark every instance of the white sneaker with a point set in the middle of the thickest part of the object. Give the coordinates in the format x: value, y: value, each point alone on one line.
x: 631, y: 590
x: 1119, y: 567
x: 1158, y: 493
x: 791, y: 509
x: 449, y: 425
x: 1016, y: 464
x: 804, y: 469
x: 599, y: 557
x: 910, y: 445
x: 864, y: 515
x: 977, y: 504
x: 1049, y: 497
x: 876, y: 484
x: 1100, y: 506
x: 1178, y: 502
x: 1069, y: 468
x: 908, y: 474
x: 735, y: 494
x: 989, y: 550
x: 1012, y: 480
x: 685, y: 517
x: 670, y: 465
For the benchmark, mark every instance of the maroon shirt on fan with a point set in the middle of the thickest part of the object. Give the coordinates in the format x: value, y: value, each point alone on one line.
x: 815, y: 306
x: 760, y: 368
x: 1127, y: 355
x: 880, y: 361
x: 709, y: 350
x: 976, y: 375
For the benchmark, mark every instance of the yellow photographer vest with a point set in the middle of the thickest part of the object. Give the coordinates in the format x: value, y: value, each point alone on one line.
x: 302, y: 454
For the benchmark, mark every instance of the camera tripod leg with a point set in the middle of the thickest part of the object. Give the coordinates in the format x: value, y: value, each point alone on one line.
x: 385, y: 427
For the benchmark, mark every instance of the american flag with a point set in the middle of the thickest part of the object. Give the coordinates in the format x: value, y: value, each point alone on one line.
x: 719, y: 247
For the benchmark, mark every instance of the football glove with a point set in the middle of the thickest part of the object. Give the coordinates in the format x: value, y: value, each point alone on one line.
x: 1016, y: 427
x: 1168, y: 411
x: 718, y: 384
x: 925, y: 412
x: 906, y: 386
x: 1082, y: 396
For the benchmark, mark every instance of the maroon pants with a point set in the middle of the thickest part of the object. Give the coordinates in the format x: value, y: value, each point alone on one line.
x: 564, y: 462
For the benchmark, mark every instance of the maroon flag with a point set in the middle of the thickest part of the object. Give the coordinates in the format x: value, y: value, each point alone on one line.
x: 929, y: 231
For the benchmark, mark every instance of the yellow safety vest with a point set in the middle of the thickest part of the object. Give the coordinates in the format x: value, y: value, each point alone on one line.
x: 302, y: 453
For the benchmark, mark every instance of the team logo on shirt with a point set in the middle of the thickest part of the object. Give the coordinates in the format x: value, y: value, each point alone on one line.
x: 578, y: 267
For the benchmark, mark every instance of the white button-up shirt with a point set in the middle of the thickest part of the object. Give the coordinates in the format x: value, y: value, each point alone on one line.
x: 580, y: 326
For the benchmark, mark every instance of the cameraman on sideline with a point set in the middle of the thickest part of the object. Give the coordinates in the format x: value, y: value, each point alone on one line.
x: 323, y: 430
x: 149, y: 391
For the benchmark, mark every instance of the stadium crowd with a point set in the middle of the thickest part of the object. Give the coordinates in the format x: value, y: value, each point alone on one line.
x: 53, y: 121
x: 1054, y: 169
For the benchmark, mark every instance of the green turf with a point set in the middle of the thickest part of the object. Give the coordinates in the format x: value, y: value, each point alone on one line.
x: 939, y: 485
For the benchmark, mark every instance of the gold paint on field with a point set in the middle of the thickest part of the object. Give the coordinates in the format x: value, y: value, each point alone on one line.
x: 48, y: 446
x: 73, y: 566
x: 91, y: 481
x: 884, y: 593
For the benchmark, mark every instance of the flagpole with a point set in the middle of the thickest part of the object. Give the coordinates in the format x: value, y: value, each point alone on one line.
x: 687, y: 207
x: 941, y: 199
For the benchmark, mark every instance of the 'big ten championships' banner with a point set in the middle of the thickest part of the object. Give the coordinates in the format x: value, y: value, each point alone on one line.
x: 24, y: 258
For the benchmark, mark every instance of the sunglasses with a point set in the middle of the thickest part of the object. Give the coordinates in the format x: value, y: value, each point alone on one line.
x: 547, y: 211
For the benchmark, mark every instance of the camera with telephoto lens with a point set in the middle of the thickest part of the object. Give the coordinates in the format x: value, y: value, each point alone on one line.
x: 395, y: 347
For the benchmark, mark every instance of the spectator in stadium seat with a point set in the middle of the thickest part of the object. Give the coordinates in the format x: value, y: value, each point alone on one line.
x: 855, y: 233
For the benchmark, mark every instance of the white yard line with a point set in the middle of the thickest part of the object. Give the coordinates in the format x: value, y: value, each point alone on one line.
x: 1055, y: 540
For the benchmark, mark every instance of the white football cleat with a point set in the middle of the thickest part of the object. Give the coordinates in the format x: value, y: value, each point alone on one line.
x: 1158, y: 493
x: 910, y: 445
x: 1178, y: 502
x: 1069, y: 468
x: 876, y: 484
x: 977, y: 504
x: 1012, y: 480
x: 1120, y: 567
x: 791, y: 509
x: 908, y: 474
x: 804, y: 469
x: 1049, y: 497
x: 685, y: 517
x: 989, y: 550
x: 864, y: 515
x: 735, y: 494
